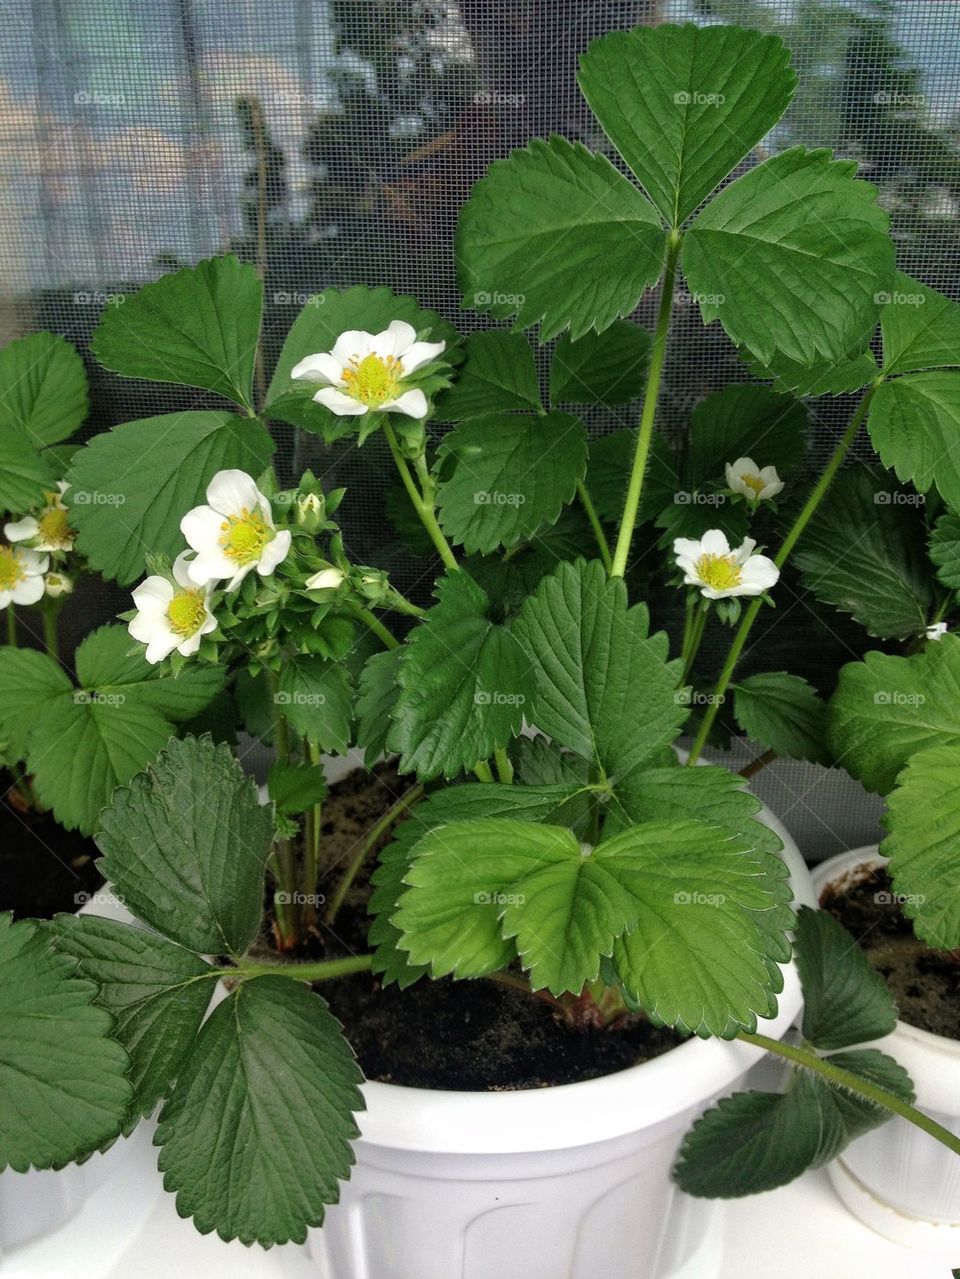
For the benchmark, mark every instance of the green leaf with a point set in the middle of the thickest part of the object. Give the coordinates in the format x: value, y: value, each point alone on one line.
x: 921, y: 328
x: 63, y: 1085
x: 508, y: 477
x: 316, y: 698
x: 555, y: 234
x: 498, y: 376
x: 945, y: 550
x: 864, y: 553
x: 43, y: 389
x: 28, y: 681
x: 887, y: 708
x: 317, y: 328
x: 531, y: 803
x: 197, y: 327
x: 131, y: 486
x: 601, y: 368
x: 156, y: 992
x: 757, y: 1141
x: 378, y: 692
x: 923, y: 818
x: 845, y: 1000
x: 107, y: 663
x: 798, y: 226
x: 256, y: 1136
x: 914, y: 425
x: 296, y: 787
x: 592, y: 656
x: 784, y: 714
x: 672, y: 901
x: 608, y: 470
x: 25, y: 474
x: 463, y: 685
x: 185, y: 846
x: 541, y: 762
x: 744, y: 421
x: 684, y: 104
x: 833, y: 378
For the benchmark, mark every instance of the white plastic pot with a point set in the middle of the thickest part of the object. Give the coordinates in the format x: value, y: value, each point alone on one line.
x: 897, y: 1179
x: 571, y: 1181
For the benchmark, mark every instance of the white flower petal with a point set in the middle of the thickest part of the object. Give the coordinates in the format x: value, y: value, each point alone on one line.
x: 190, y: 645
x: 326, y: 579
x: 160, y: 646
x: 274, y: 553
x: 758, y: 574
x: 318, y: 368
x: 714, y: 542
x: 239, y: 575
x: 229, y: 492
x: 413, y: 403
x: 180, y: 566
x: 421, y: 353
x: 32, y: 562
x: 337, y: 402
x: 744, y: 550
x: 210, y: 566
x: 21, y: 530
x: 201, y: 528
x: 153, y: 595
x: 354, y: 342
x: 6, y: 599
x: 397, y: 338
x: 28, y: 590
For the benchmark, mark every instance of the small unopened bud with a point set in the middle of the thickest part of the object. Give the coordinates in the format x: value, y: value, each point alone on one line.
x: 309, y: 512
x: 327, y: 579
x: 57, y: 584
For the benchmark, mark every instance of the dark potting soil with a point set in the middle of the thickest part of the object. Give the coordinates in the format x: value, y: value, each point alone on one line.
x: 925, y: 983
x: 469, y: 1035
x: 43, y: 868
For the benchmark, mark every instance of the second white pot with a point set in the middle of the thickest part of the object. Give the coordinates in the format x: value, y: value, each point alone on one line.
x: 897, y: 1179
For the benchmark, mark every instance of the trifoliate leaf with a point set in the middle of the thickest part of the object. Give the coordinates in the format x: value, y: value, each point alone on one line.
x: 796, y: 226
x: 923, y: 818
x: 197, y: 327
x: 593, y: 658
x: 316, y: 698
x: 498, y: 375
x: 887, y: 708
x: 601, y: 368
x: 784, y: 714
x: 505, y: 476
x: 256, y: 1136
x: 863, y: 552
x: 185, y: 846
x: 555, y: 234
x: 107, y: 662
x: 684, y: 104
x: 131, y: 486
x: 63, y: 1085
x: 845, y: 1000
x: 157, y: 993
x: 914, y: 424
x: 464, y: 684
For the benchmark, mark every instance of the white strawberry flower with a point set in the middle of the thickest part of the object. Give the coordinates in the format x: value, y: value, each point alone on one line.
x: 234, y: 533
x: 171, y: 614
x: 367, y: 372
x: 721, y: 572
x: 21, y: 575
x: 49, y: 530
x: 327, y: 579
x: 756, y: 483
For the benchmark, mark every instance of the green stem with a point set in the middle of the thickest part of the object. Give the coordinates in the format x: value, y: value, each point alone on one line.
x: 386, y: 638
x: 285, y: 869
x: 482, y: 771
x: 603, y: 545
x: 789, y: 542
x: 311, y: 848
x: 49, y: 611
x: 422, y: 506
x: 11, y: 626
x: 693, y: 636
x: 856, y: 1084
x: 369, y: 841
x: 645, y: 433
x: 319, y: 971
x: 504, y: 767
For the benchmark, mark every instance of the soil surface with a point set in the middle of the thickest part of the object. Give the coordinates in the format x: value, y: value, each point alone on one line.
x: 43, y: 868
x: 469, y: 1035
x: 925, y: 983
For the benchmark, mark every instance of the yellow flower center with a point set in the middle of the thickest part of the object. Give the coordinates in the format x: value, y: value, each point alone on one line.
x: 373, y: 379
x: 245, y: 535
x: 11, y: 569
x: 54, y: 529
x: 186, y: 611
x: 754, y: 482
x: 720, y: 572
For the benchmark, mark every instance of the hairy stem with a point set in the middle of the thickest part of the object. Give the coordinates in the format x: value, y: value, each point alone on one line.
x: 319, y: 971
x: 648, y: 415
x: 421, y: 504
x: 370, y: 620
x: 603, y: 546
x: 311, y: 847
x: 368, y: 842
x: 856, y: 1084
x: 49, y: 610
x: 284, y: 863
x: 504, y: 767
x: 789, y: 542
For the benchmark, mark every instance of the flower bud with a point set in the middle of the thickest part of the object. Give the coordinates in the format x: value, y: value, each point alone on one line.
x: 57, y: 584
x: 309, y: 512
x: 327, y: 579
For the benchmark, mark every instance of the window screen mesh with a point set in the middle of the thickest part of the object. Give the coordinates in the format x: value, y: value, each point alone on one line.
x: 333, y: 143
